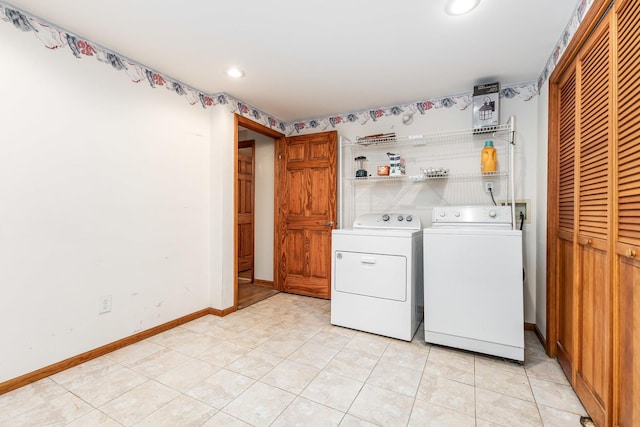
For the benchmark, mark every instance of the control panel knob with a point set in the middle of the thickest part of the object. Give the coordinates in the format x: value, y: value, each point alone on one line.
x: 409, y: 218
x: 400, y: 217
x: 385, y: 217
x: 493, y: 214
x: 457, y: 214
x: 442, y: 214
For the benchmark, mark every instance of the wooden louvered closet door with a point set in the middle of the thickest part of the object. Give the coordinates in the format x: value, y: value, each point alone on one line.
x: 566, y: 221
x: 592, y: 273
x: 627, y: 198
x: 594, y: 312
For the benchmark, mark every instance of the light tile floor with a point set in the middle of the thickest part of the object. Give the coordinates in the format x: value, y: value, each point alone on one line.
x: 281, y: 363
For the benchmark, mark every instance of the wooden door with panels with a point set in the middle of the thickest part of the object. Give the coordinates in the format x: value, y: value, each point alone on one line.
x: 307, y: 212
x: 627, y: 219
x: 246, y: 204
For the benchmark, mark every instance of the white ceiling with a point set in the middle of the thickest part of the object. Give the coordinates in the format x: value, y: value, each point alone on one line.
x: 315, y: 58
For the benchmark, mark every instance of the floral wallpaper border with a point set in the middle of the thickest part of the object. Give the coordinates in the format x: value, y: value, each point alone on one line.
x: 54, y: 37
x: 525, y: 91
x: 567, y: 35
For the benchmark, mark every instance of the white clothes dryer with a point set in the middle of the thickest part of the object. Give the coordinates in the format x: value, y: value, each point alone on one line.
x: 376, y: 274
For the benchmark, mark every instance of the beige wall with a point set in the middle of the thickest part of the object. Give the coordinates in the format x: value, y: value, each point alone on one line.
x: 104, y: 189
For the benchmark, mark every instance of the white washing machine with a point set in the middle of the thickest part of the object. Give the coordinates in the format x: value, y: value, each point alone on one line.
x: 473, y: 288
x: 376, y: 275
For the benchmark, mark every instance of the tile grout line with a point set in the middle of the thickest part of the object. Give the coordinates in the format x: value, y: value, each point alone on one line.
x: 535, y: 400
x: 413, y: 405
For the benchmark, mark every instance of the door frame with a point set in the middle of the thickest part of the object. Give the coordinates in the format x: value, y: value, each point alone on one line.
x: 241, y: 121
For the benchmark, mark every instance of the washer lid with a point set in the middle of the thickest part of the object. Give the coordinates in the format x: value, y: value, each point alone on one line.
x: 388, y: 221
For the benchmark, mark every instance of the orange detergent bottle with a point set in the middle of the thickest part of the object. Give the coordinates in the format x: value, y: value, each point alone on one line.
x: 489, y: 161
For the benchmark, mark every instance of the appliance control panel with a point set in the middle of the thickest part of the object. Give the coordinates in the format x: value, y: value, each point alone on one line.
x: 391, y: 221
x: 472, y: 214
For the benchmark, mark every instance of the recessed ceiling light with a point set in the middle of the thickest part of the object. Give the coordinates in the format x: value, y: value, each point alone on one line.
x: 460, y: 7
x: 236, y: 73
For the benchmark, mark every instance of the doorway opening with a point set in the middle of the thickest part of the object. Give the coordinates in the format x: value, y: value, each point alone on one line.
x: 246, y: 209
x: 254, y: 222
x: 297, y: 207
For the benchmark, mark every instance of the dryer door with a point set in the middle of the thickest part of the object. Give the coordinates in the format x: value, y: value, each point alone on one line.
x: 374, y: 275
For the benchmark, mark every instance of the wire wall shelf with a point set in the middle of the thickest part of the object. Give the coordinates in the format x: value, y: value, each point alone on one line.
x: 503, y: 132
x: 425, y: 177
x: 450, y: 160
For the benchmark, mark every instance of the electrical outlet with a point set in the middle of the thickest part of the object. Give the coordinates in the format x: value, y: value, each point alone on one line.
x: 488, y: 187
x: 104, y: 304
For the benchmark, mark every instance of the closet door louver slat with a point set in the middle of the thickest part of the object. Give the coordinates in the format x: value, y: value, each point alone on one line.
x: 628, y: 151
x: 567, y: 154
x: 594, y: 139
